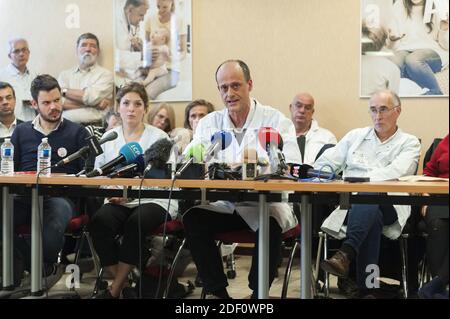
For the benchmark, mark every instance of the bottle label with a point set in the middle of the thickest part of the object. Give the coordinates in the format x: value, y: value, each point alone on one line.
x: 7, y: 152
x: 45, y: 153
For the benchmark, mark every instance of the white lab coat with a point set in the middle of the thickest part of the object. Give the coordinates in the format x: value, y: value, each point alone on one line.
x: 259, y: 116
x: 361, y: 154
x: 316, y: 138
x: 126, y: 61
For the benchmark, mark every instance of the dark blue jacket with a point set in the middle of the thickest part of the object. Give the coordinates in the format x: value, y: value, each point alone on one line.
x: 67, y: 139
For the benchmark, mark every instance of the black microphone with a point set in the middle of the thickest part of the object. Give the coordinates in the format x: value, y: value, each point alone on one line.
x: 127, y: 154
x: 302, y: 171
x: 136, y: 167
x: 94, y: 147
x: 157, y: 154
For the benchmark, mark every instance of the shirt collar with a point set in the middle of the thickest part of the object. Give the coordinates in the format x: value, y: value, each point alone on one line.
x: 15, y: 71
x: 373, y: 136
x: 13, y: 125
x: 37, y: 125
x: 78, y: 70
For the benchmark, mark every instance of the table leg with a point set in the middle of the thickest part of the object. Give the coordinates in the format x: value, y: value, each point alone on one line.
x: 305, y: 267
x: 263, y: 252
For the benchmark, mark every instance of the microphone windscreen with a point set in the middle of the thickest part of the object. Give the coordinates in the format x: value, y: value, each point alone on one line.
x: 158, y: 153
x: 224, y: 138
x: 250, y: 156
x: 269, y: 136
x: 109, y: 137
x: 197, y: 152
x: 130, y: 151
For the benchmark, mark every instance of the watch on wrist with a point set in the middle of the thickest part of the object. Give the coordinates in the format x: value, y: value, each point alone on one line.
x: 64, y: 91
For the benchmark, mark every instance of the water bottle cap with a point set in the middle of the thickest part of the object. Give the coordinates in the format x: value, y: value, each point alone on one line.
x: 7, y: 140
x: 45, y: 139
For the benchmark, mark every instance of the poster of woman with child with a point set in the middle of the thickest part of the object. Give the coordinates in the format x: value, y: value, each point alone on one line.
x: 153, y: 45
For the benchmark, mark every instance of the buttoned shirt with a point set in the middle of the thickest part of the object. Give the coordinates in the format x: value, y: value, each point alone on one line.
x: 97, y: 84
x: 7, y: 131
x: 21, y: 82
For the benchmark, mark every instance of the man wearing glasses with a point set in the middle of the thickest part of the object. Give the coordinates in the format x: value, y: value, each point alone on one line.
x: 382, y: 152
x: 19, y: 76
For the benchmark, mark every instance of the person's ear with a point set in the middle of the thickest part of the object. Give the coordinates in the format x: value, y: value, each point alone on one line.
x: 250, y: 85
x: 34, y: 104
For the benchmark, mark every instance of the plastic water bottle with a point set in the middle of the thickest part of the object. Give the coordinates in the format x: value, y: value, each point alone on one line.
x: 44, y: 157
x: 7, y: 165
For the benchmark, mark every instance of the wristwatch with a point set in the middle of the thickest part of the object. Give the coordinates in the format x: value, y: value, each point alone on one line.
x: 64, y: 91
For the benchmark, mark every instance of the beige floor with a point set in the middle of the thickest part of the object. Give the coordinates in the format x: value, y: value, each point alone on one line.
x: 238, y: 287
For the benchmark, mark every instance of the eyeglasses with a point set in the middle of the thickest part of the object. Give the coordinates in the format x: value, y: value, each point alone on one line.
x: 235, y: 86
x: 18, y: 51
x: 381, y: 110
x: 307, y: 107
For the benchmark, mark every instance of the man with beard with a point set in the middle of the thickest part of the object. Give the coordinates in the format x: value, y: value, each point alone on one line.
x: 86, y: 88
x: 20, y: 76
x: 65, y: 138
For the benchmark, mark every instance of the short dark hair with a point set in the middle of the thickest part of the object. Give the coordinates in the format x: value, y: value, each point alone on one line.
x: 43, y: 82
x: 88, y: 35
x: 242, y: 64
x: 193, y: 104
x: 5, y: 85
x: 135, y: 87
x: 135, y: 3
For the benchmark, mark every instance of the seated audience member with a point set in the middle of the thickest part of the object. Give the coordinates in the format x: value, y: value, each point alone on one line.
x: 195, y: 111
x: 244, y: 115
x: 382, y: 152
x: 8, y: 120
x: 121, y: 216
x: 310, y: 137
x: 436, y: 219
x: 87, y: 88
x: 163, y: 117
x: 112, y: 120
x: 65, y: 138
x: 20, y: 76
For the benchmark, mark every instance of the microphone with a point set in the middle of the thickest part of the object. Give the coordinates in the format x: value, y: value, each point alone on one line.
x: 194, y: 154
x: 271, y: 141
x: 157, y: 154
x: 83, y: 152
x: 136, y: 167
x: 219, y: 141
x: 127, y: 154
x: 303, y: 171
x: 249, y: 165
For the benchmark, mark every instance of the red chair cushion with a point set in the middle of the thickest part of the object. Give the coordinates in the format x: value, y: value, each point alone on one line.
x: 171, y: 227
x: 248, y: 237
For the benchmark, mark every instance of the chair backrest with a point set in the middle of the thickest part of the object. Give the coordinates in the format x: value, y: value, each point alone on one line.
x: 430, y: 151
x: 323, y: 149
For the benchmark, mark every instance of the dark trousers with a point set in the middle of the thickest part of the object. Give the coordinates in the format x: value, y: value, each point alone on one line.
x: 112, y: 221
x: 364, y: 228
x: 437, y: 241
x: 201, y: 225
x: 57, y: 213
